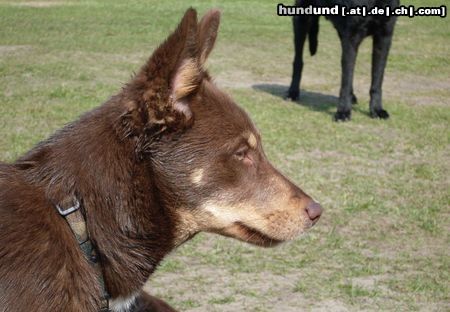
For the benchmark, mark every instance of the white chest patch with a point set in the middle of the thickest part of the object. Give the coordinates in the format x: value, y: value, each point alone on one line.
x: 122, y: 304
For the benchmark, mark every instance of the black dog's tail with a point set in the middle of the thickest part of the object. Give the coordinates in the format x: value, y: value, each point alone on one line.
x: 306, y: 25
x: 313, y: 33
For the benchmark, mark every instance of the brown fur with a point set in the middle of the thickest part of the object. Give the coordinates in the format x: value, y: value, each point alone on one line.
x: 130, y: 163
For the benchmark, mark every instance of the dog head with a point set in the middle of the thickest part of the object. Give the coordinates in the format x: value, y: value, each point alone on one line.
x: 204, y: 151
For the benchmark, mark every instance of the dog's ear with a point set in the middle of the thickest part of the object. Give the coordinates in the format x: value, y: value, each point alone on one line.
x: 207, y: 33
x: 158, y: 93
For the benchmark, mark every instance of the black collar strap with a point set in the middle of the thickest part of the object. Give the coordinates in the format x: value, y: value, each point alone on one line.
x: 77, y: 223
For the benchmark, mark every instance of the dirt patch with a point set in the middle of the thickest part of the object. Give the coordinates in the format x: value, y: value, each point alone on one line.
x: 414, y: 90
x: 371, y: 282
x: 13, y: 49
x: 41, y: 4
x: 329, y: 305
x: 241, y: 79
x: 212, y: 288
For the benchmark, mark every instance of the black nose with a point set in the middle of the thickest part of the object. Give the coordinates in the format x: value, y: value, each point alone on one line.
x: 314, y: 210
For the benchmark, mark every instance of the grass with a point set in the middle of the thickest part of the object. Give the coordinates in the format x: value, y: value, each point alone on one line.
x: 383, y: 243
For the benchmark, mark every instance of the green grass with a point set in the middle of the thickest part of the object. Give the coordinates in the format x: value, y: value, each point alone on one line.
x: 223, y: 300
x: 383, y: 242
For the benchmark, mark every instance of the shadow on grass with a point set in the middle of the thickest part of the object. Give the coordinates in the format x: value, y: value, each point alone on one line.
x: 313, y: 100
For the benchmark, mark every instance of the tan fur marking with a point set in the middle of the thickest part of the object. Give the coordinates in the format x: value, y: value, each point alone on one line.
x: 282, y: 224
x: 190, y: 224
x: 186, y: 79
x: 197, y: 176
x: 251, y: 138
x: 183, y: 108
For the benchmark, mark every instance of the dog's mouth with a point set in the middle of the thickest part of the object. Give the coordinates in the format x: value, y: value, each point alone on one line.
x: 251, y: 235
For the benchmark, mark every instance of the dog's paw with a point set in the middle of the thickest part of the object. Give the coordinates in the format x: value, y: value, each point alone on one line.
x: 379, y: 113
x: 292, y: 95
x: 342, y: 116
x: 354, y: 99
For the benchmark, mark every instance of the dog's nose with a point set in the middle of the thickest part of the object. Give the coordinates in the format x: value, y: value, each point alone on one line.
x: 314, y: 210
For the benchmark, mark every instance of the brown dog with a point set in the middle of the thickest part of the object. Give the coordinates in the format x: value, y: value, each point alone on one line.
x: 169, y: 156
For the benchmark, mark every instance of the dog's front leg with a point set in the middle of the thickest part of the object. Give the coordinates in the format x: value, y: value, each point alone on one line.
x: 148, y: 303
x: 300, y: 31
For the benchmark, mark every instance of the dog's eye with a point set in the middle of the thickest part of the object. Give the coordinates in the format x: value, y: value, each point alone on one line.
x: 241, y: 153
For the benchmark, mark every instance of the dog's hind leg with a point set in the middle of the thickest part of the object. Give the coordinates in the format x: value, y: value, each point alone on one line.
x: 300, y: 32
x: 350, y: 43
x: 381, y: 46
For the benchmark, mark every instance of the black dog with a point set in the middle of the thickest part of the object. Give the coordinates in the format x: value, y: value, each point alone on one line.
x: 351, y: 30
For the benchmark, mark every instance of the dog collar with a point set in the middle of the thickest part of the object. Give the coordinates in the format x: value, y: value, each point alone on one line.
x: 77, y: 223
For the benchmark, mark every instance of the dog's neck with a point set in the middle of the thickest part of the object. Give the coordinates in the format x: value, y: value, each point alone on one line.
x: 131, y: 231
x: 126, y: 220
